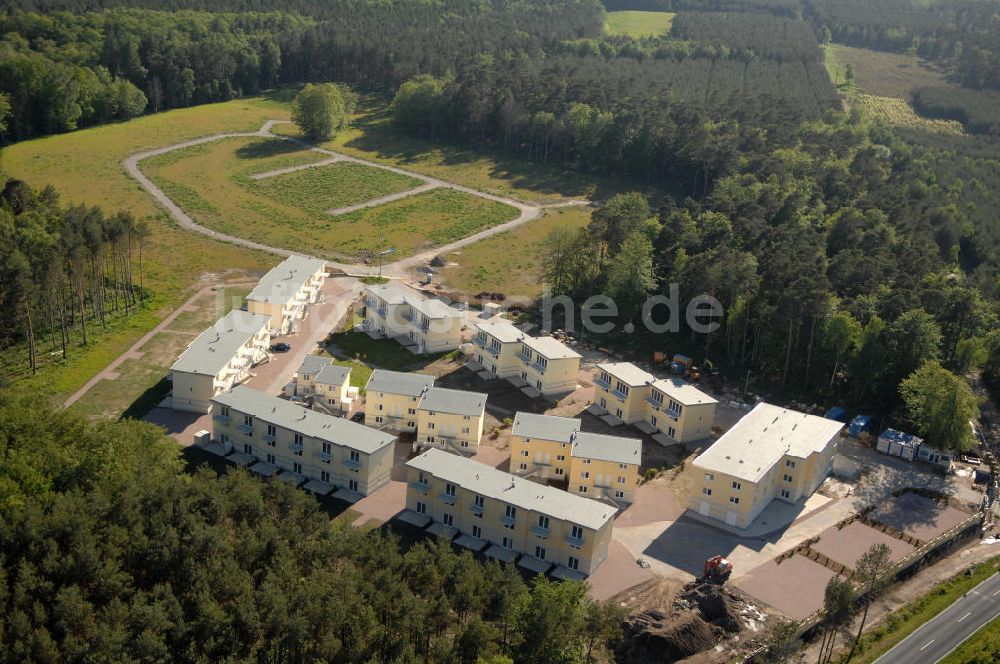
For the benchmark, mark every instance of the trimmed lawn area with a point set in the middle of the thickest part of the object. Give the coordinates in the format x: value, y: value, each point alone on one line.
x: 378, y: 353
x: 904, y: 622
x: 289, y: 210
x: 510, y: 262
x: 638, y: 24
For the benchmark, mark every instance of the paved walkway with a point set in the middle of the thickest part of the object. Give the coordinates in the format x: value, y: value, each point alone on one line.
x: 527, y: 211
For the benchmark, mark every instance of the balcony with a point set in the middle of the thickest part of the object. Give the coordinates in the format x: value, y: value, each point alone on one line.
x: 673, y: 414
x: 352, y: 464
x: 495, y: 352
x: 295, y: 447
x: 540, y: 531
x: 618, y: 394
x: 221, y: 419
x: 653, y: 403
x: 425, y: 325
x: 539, y: 367
x: 508, y: 521
x: 574, y: 541
x: 481, y: 342
x: 602, y: 383
x: 447, y: 498
x: 422, y: 487
x: 409, y: 315
x: 524, y: 357
x: 247, y: 429
x: 324, y: 457
x: 270, y: 438
x: 477, y: 509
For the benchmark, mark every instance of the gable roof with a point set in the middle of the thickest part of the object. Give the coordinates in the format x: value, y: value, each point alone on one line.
x: 544, y: 427
x: 519, y: 492
x: 762, y: 437
x: 212, y: 350
x: 284, y: 280
x: 601, y: 447
x: 312, y: 364
x: 398, y: 382
x: 273, y: 410
x: 628, y: 373
x: 456, y: 402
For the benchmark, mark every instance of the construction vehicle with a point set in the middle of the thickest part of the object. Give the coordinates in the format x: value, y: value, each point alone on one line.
x: 717, y: 568
x: 680, y: 364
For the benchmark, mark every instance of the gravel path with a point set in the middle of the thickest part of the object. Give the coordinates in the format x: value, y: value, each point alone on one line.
x: 526, y: 211
x: 384, y: 199
x: 293, y: 169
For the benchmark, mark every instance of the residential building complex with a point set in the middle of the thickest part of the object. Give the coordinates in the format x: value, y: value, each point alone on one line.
x: 451, y: 420
x: 219, y: 358
x: 498, y: 347
x: 670, y: 406
x: 392, y: 397
x: 600, y: 466
x: 514, y: 515
x: 286, y: 290
x: 548, y: 365
x: 327, y: 383
x: 771, y: 453
x: 427, y: 325
x: 315, y: 446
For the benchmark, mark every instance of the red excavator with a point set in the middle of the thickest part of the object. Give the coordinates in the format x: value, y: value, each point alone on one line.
x: 717, y: 568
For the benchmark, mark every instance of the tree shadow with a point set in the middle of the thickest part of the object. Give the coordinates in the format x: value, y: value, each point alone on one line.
x: 270, y: 147
x: 147, y: 401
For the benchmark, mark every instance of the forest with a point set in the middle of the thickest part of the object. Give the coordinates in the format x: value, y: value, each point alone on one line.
x: 113, y: 552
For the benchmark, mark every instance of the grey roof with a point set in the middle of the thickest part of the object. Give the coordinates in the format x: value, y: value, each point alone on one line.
x: 283, y: 281
x: 762, y: 437
x: 333, y: 375
x: 394, y: 293
x: 683, y: 392
x: 628, y: 373
x: 212, y: 350
x: 272, y: 410
x: 503, y: 330
x: 600, y: 447
x: 456, y: 402
x: 312, y: 364
x: 398, y: 382
x: 544, y: 427
x: 516, y: 491
x: 391, y: 292
x: 549, y: 348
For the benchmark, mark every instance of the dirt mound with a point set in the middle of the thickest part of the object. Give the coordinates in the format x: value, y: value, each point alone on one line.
x: 714, y: 602
x: 652, y: 636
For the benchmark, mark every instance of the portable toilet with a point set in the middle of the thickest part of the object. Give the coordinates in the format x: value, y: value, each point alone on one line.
x: 898, y: 444
x: 836, y: 413
x: 858, y: 425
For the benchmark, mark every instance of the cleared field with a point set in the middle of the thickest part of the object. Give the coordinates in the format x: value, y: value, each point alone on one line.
x: 289, y: 210
x: 638, y: 24
x: 900, y: 113
x: 510, y: 262
x: 879, y: 73
x: 319, y: 189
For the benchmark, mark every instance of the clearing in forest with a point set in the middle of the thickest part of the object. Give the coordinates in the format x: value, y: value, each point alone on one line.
x: 638, y: 24
x: 880, y: 73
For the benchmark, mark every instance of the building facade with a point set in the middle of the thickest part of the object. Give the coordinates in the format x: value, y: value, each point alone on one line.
x: 451, y: 420
x: 392, y: 397
x: 219, y: 358
x: 771, y: 453
x: 395, y: 311
x: 498, y: 347
x: 285, y: 292
x: 314, y: 445
x: 548, y: 365
x: 510, y: 512
x: 622, y: 389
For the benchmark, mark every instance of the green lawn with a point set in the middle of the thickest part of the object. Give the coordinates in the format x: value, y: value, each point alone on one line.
x: 638, y: 24
x: 905, y: 621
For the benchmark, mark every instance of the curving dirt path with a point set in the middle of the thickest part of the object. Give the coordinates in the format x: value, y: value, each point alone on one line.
x: 293, y: 169
x: 526, y: 211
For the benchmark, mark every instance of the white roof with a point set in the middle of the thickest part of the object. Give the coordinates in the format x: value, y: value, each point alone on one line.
x: 503, y: 330
x: 516, y: 491
x: 762, y: 437
x: 286, y: 279
x: 549, y: 348
x: 394, y: 293
x: 398, y: 382
x: 683, y: 392
x: 456, y: 402
x: 628, y: 373
x: 212, y: 350
x: 544, y: 427
x: 312, y: 364
x: 600, y: 447
x: 273, y: 410
x: 391, y: 292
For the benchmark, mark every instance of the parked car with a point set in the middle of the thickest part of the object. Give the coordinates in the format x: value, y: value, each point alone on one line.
x: 280, y: 347
x: 358, y: 417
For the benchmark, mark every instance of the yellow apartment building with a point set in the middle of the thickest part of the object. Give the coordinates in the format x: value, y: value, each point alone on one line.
x: 304, y: 381
x: 514, y: 516
x: 679, y: 410
x: 325, y: 451
x: 498, y: 347
x: 548, y: 365
x: 286, y: 290
x: 771, y: 453
x: 333, y: 390
x: 549, y: 447
x: 392, y: 397
x: 622, y: 389
x: 451, y: 420
x: 426, y: 325
x: 219, y: 358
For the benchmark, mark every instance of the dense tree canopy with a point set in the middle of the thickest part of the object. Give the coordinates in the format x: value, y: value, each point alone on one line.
x: 322, y: 110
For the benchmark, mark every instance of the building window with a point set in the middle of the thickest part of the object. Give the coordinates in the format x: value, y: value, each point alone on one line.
x: 786, y: 494
x: 737, y: 485
x: 297, y: 468
x: 379, y: 419
x: 421, y: 508
x: 270, y: 459
x: 787, y: 478
x: 522, y: 466
x: 735, y: 500
x: 577, y: 532
x: 466, y: 417
x: 507, y: 543
x: 480, y: 503
x: 378, y: 407
x: 298, y: 442
x: 573, y: 563
x: 449, y: 490
x: 671, y: 432
x: 560, y: 457
x: 272, y: 430
x: 326, y: 451
x: 623, y: 466
x: 543, y: 521
x: 225, y: 411
x: 355, y: 456
x: 789, y: 463
x: 540, y: 552
x: 410, y: 424
x: 709, y: 477
x: 465, y: 429
x: 477, y: 532
x: 524, y: 453
x: 582, y: 488
x: 430, y: 413
x: 430, y: 425
x: 448, y: 519
x: 247, y: 448
x: 706, y: 491
x: 586, y: 461
x: 585, y: 475
x: 619, y: 494
x: 248, y: 420
x: 510, y: 514
x: 621, y: 480
x: 559, y: 471
x: 352, y: 485
x: 411, y: 411
x: 324, y: 476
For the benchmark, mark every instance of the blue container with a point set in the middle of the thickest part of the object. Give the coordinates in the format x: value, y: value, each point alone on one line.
x: 836, y: 413
x: 859, y: 424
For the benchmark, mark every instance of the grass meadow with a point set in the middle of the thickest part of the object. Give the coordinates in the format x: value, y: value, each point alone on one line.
x: 638, y: 24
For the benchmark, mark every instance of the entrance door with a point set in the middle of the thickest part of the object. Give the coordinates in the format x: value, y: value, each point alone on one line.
x: 731, y: 518
x: 703, y: 508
